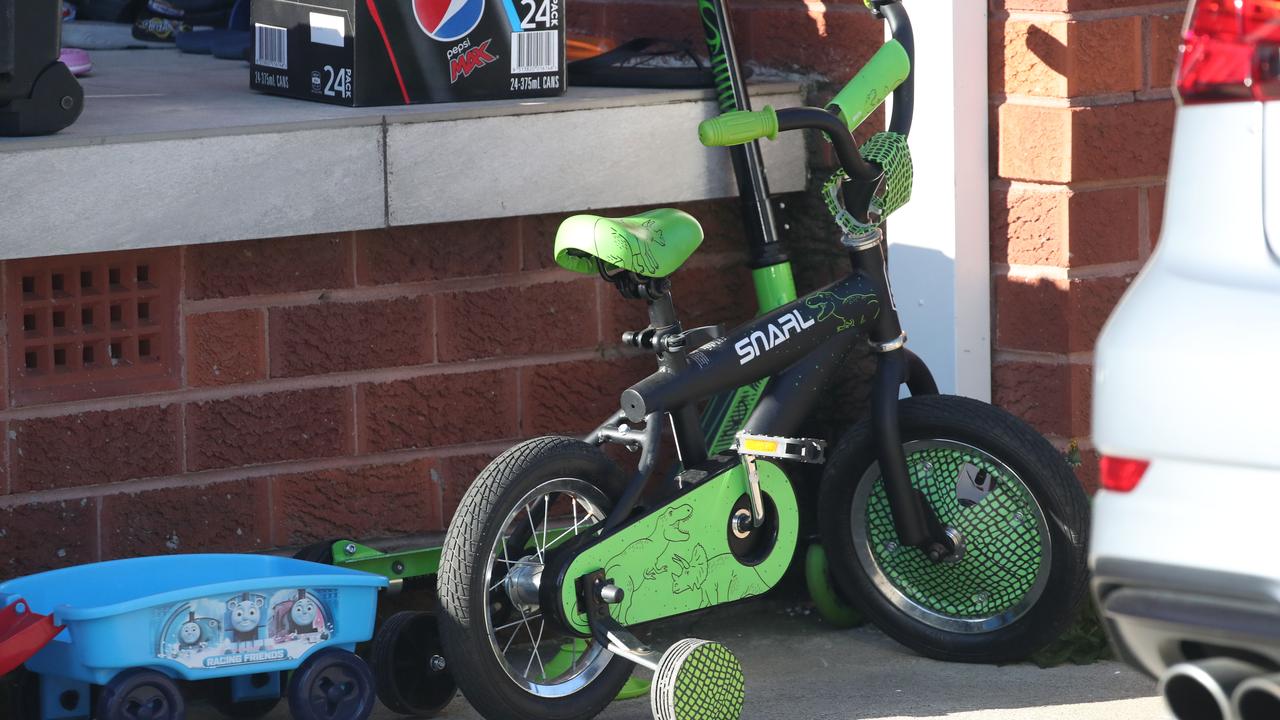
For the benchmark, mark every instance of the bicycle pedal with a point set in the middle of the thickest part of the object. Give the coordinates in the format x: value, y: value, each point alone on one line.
x: 805, y: 450
x: 697, y: 680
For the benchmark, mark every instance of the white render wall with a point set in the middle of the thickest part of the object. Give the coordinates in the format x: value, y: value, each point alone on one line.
x: 940, y: 243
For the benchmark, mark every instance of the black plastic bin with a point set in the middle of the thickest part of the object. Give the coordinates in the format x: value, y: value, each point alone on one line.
x: 38, y: 94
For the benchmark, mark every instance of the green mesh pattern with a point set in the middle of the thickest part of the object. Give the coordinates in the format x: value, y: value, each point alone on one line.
x: 708, y: 685
x: 891, y: 152
x: 1002, y: 539
x: 741, y: 405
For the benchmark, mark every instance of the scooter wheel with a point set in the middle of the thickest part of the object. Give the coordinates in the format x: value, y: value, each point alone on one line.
x: 332, y: 684
x: 697, y: 680
x: 409, y: 667
x: 125, y: 693
x: 319, y: 552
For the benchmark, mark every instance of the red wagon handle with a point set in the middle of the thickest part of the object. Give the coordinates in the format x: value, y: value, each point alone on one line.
x: 22, y: 634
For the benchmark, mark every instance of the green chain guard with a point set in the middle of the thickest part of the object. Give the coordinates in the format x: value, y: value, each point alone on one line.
x: 891, y: 152
x: 677, y: 558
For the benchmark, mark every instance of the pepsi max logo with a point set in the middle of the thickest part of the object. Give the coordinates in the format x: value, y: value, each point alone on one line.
x: 448, y: 20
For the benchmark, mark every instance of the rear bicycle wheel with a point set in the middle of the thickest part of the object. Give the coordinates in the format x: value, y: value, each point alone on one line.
x: 1015, y: 510
x: 498, y: 642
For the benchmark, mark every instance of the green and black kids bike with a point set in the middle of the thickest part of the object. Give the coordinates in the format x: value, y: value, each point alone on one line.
x: 951, y: 524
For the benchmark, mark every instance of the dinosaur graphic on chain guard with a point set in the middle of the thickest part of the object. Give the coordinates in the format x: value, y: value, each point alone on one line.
x: 680, y: 558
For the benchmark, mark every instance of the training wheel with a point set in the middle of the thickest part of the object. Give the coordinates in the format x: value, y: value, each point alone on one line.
x: 697, y: 680
x: 822, y: 590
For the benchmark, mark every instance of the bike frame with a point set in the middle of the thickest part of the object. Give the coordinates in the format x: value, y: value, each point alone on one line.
x: 794, y: 350
x: 783, y: 382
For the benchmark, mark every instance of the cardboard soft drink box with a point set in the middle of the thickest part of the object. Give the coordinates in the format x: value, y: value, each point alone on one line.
x: 393, y: 52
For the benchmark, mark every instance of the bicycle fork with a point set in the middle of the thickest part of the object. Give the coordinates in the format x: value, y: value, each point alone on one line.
x: 913, y: 517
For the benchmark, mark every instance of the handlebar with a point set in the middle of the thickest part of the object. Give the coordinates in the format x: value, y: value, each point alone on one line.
x: 739, y: 127
x: 890, y: 70
x: 882, y: 75
x: 904, y: 98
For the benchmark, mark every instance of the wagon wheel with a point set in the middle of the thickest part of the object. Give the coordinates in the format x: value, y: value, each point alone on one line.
x: 409, y: 665
x: 140, y: 694
x: 220, y: 698
x: 332, y: 684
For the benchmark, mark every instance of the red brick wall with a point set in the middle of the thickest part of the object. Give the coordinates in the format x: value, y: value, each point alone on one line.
x: 1081, y: 116
x: 352, y: 385
x: 344, y: 385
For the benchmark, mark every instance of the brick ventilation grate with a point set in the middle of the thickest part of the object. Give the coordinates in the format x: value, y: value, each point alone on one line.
x: 92, y: 325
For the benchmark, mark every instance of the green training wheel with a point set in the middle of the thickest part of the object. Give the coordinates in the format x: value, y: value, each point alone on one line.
x: 826, y: 598
x: 697, y: 680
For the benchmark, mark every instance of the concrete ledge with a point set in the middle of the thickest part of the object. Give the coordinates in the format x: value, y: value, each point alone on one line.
x: 175, y: 149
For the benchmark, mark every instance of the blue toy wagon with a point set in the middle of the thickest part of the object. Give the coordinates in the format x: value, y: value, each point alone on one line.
x: 233, y: 624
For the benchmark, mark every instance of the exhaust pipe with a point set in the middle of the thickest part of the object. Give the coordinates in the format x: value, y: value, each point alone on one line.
x: 1202, y: 690
x: 1258, y: 698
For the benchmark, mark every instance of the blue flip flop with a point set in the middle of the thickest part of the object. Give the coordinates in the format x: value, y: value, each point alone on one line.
x: 201, y: 42
x: 235, y: 45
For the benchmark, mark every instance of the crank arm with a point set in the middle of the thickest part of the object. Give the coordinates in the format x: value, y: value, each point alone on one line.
x: 598, y: 593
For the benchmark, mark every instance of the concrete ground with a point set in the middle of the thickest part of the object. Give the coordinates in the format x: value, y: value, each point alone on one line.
x: 798, y: 668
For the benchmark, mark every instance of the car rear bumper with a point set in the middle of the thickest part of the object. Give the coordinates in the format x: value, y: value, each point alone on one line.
x: 1184, y: 565
x: 1160, y: 615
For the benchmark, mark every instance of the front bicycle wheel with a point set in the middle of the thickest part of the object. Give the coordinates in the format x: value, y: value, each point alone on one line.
x: 1008, y: 500
x: 509, y: 659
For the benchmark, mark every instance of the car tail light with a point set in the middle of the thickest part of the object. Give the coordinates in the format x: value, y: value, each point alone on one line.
x: 1231, y: 51
x: 1121, y: 474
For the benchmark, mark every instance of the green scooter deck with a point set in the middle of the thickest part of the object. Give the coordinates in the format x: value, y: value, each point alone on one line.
x: 425, y: 562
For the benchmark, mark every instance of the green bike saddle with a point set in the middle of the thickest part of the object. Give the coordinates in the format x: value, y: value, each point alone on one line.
x: 653, y: 243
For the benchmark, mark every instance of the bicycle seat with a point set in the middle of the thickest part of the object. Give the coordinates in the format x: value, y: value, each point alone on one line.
x: 653, y: 243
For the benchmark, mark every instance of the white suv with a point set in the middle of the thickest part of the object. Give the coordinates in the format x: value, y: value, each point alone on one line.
x: 1186, y: 537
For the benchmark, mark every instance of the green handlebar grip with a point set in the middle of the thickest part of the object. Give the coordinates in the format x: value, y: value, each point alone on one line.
x: 739, y: 127
x: 888, y: 68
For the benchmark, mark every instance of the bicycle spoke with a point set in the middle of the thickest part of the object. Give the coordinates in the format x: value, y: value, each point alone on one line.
x: 534, y: 527
x: 517, y: 622
x: 576, y: 524
x: 510, y: 639
x: 523, y: 620
x: 546, y: 507
x: 542, y: 626
x: 529, y: 665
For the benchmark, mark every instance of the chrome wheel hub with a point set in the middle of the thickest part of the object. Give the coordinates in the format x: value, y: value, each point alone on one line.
x: 523, y: 583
